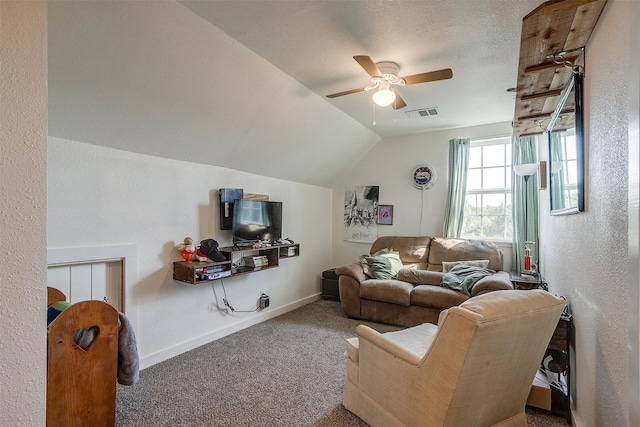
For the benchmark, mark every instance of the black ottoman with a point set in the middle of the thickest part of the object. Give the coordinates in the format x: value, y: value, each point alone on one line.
x: 330, y: 285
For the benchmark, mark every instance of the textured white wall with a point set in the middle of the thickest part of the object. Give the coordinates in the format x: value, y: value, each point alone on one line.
x: 585, y: 255
x: 634, y: 216
x: 23, y: 199
x: 101, y: 196
x: 389, y: 165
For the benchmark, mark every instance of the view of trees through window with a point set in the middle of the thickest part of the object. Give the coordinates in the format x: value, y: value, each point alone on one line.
x: 487, y: 210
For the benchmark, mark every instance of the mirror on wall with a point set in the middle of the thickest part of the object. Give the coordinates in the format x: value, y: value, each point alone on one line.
x: 566, y: 150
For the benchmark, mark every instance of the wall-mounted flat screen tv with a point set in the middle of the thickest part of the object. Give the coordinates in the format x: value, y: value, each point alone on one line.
x: 256, y: 220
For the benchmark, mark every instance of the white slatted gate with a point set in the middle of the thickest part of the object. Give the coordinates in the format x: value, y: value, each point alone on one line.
x: 95, y: 280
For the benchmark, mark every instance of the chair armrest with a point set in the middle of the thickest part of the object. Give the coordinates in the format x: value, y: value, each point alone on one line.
x: 496, y: 282
x: 353, y: 270
x: 378, y: 340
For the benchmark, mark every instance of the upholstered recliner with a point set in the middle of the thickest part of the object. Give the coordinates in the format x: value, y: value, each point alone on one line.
x: 475, y: 368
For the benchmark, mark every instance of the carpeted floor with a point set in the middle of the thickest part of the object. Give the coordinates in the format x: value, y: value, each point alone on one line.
x: 287, y: 371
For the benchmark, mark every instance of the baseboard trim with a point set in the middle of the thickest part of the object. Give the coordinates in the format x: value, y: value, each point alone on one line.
x: 168, y: 353
x: 576, y: 421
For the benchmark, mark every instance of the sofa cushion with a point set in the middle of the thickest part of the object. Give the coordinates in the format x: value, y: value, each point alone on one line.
x: 436, y: 297
x: 420, y: 277
x: 414, y: 251
x: 417, y: 339
x: 448, y: 249
x: 392, y: 291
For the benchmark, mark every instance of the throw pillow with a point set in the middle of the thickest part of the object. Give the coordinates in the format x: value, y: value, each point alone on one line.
x: 365, y: 265
x: 384, y: 264
x: 482, y: 263
x: 394, y: 261
x: 380, y: 267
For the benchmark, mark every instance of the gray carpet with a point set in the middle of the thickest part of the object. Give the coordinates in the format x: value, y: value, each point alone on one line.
x: 287, y: 371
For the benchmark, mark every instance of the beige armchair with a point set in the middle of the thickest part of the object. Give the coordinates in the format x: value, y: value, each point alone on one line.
x: 475, y: 368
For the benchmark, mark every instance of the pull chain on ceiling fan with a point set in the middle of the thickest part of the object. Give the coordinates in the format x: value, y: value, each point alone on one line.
x: 384, y: 75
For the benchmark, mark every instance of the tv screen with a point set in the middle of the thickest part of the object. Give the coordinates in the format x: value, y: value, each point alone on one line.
x: 256, y: 220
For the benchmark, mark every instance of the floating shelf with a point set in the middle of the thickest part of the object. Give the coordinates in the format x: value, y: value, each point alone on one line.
x: 194, y: 272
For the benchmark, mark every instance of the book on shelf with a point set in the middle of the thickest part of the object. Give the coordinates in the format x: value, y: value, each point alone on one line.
x: 257, y: 261
x: 213, y: 272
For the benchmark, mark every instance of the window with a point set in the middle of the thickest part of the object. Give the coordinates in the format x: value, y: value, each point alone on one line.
x: 568, y: 167
x: 487, y: 208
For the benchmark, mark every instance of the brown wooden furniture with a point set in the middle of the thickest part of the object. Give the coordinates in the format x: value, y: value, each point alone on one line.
x: 554, y: 396
x: 526, y: 282
x: 192, y: 272
x: 554, y: 27
x: 559, y: 351
x: 81, y: 381
x: 54, y: 295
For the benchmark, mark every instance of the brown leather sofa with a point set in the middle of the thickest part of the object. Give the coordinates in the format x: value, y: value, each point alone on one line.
x: 415, y: 295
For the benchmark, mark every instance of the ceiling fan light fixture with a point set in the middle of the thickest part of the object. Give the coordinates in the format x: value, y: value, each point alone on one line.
x: 384, y: 97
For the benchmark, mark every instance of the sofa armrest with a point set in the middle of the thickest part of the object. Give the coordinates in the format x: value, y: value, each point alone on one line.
x: 382, y: 343
x: 349, y: 278
x: 353, y: 270
x: 496, y: 282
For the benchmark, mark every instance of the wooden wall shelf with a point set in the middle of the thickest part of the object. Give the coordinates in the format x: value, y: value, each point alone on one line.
x: 197, y: 272
x: 553, y: 27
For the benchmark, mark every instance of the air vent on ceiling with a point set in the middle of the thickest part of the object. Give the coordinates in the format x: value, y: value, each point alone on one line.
x: 423, y: 112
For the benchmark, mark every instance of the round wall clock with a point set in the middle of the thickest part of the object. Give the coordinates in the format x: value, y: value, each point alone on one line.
x: 424, y: 177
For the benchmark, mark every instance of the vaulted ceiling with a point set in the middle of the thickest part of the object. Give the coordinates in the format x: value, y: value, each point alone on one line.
x: 314, y: 42
x: 243, y: 84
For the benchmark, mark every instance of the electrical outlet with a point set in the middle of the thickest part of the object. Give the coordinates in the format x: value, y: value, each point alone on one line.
x: 264, y: 301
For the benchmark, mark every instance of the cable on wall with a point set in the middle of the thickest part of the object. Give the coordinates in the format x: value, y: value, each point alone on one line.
x: 226, y: 301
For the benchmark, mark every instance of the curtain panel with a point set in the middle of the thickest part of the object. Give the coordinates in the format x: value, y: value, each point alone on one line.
x: 525, y: 224
x: 458, y: 164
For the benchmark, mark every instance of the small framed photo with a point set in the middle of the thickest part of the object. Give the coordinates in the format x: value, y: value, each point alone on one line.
x: 385, y: 214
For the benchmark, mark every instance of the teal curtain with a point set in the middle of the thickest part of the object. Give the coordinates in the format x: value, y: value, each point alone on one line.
x: 525, y: 226
x: 458, y: 163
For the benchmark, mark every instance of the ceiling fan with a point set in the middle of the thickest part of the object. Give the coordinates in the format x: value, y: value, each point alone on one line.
x: 384, y: 75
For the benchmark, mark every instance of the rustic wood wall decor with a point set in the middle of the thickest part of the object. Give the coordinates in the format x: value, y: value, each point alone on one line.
x: 553, y: 28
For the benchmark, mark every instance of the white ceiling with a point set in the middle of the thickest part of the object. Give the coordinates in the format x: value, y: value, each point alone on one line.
x: 243, y: 84
x: 314, y: 42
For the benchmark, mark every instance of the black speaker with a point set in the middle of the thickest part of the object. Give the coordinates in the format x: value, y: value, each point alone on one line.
x: 227, y: 197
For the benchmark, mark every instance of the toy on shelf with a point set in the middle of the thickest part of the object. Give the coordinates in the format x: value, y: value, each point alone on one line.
x: 187, y: 248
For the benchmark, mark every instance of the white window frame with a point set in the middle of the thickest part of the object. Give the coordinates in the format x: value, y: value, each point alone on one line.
x: 506, y: 140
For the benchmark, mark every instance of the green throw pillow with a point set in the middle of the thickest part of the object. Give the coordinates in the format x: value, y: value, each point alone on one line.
x: 388, y: 270
x: 380, y: 267
x: 394, y: 260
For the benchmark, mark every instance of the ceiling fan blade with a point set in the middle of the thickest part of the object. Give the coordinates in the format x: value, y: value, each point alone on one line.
x: 399, y: 102
x: 346, y: 92
x: 430, y: 76
x: 368, y: 65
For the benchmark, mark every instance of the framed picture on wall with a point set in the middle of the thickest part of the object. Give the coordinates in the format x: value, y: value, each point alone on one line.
x: 385, y: 214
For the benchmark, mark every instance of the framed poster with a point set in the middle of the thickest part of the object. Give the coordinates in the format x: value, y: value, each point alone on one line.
x: 385, y: 214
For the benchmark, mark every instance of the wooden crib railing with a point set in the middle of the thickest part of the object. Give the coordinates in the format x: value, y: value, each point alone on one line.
x: 81, y: 382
